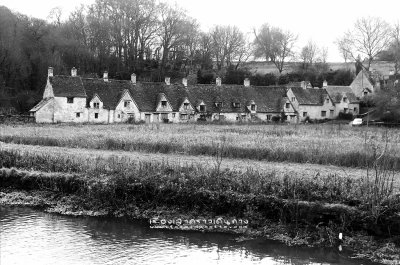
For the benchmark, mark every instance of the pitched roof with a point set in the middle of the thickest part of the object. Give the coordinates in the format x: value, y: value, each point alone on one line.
x: 109, y: 92
x: 309, y: 96
x: 67, y: 86
x: 337, y: 93
x: 41, y: 104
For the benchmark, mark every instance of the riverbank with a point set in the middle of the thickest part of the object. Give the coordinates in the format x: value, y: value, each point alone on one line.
x: 299, y: 222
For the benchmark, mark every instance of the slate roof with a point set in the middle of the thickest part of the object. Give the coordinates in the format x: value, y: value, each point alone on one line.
x: 309, y: 96
x: 337, y: 92
x: 109, y: 92
x: 67, y: 86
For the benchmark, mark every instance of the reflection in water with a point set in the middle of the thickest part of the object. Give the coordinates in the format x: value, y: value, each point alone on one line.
x: 33, y: 237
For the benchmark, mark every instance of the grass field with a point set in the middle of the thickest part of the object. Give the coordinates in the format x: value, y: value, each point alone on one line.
x: 308, y: 175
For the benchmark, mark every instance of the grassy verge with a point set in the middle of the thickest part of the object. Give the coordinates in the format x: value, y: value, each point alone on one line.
x: 300, y: 144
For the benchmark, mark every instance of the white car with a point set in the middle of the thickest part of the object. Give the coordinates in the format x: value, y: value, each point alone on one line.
x: 356, y: 122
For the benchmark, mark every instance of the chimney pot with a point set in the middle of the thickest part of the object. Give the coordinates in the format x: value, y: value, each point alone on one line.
x: 73, y: 71
x: 218, y: 81
x: 105, y: 76
x: 133, y: 78
x: 167, y: 81
x: 325, y: 83
x: 246, y: 82
x: 184, y: 81
x: 50, y: 71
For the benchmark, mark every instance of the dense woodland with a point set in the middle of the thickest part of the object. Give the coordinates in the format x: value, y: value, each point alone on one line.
x: 150, y: 39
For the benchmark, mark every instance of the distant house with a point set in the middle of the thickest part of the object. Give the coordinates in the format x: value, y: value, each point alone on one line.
x: 344, y: 99
x: 362, y: 85
x: 314, y: 103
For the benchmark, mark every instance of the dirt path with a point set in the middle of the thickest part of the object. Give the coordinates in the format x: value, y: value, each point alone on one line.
x: 281, y: 169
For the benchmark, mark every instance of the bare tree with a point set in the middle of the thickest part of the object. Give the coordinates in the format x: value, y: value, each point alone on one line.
x: 55, y: 15
x: 227, y: 44
x: 395, y: 47
x: 274, y: 45
x: 308, y: 54
x: 369, y: 37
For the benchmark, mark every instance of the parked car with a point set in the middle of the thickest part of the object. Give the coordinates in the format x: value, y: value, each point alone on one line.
x: 356, y: 122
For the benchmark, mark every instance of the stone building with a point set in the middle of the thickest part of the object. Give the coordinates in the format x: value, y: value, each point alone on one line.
x: 344, y: 99
x: 362, y: 85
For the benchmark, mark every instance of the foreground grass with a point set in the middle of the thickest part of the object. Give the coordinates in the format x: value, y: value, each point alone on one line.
x: 317, y: 144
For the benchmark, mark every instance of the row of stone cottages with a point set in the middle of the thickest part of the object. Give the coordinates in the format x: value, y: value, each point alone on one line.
x: 102, y: 100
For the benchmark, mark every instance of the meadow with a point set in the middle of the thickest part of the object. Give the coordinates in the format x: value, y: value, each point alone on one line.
x: 310, y: 176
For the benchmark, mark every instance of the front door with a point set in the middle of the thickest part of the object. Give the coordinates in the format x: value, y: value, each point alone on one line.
x: 147, y: 118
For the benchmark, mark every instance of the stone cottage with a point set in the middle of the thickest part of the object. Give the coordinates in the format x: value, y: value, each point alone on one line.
x: 314, y: 103
x: 344, y: 99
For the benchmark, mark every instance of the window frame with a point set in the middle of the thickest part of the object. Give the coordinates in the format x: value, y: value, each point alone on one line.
x: 323, y: 113
x: 164, y: 103
x: 96, y: 115
x: 202, y: 108
x: 70, y: 100
x: 96, y: 105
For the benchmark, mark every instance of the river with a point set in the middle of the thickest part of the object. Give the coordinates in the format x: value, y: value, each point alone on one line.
x: 30, y: 236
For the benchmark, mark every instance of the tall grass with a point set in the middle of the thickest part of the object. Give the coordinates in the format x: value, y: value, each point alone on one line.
x: 312, y: 144
x: 121, y: 184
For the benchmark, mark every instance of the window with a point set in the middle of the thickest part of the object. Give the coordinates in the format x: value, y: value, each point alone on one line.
x: 268, y: 117
x: 331, y: 113
x: 96, y: 115
x: 345, y: 110
x: 184, y: 116
x: 253, y: 107
x: 164, y: 116
x: 365, y: 93
x: 236, y: 104
x: 186, y: 106
x: 218, y: 104
x: 327, y: 100
x: 96, y: 105
x: 202, y: 108
x: 237, y: 118
x: 78, y: 114
x: 287, y: 105
x: 304, y: 114
x: 344, y: 99
x: 323, y: 113
x: 127, y: 103
x: 70, y: 100
x: 163, y: 103
x: 355, y: 110
x: 293, y: 99
x: 119, y: 116
x: 173, y: 115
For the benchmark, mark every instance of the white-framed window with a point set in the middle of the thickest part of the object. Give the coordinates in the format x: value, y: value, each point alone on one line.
x: 96, y: 105
x: 287, y: 105
x: 78, y: 114
x: 202, y: 108
x: 218, y: 104
x: 163, y: 103
x: 253, y: 107
x: 184, y: 116
x: 70, y: 100
x: 236, y: 104
x: 127, y: 103
x: 96, y: 115
x: 323, y: 113
x: 185, y: 106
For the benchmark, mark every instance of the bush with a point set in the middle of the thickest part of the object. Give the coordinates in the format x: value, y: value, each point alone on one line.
x: 345, y: 116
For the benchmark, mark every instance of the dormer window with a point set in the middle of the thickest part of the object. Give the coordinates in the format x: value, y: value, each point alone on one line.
x: 327, y: 100
x: 293, y: 99
x: 127, y: 103
x: 96, y: 105
x: 218, y: 104
x: 202, y: 108
x: 236, y: 104
x: 70, y: 100
x: 185, y: 106
x: 163, y: 103
x: 253, y: 107
x: 344, y: 99
x: 365, y: 93
x: 287, y: 105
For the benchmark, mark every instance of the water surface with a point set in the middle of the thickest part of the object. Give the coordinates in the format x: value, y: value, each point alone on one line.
x: 31, y: 236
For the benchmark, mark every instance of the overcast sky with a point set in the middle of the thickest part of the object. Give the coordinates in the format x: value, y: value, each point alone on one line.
x: 320, y: 21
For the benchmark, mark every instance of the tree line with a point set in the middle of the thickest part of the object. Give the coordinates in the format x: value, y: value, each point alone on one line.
x: 155, y: 40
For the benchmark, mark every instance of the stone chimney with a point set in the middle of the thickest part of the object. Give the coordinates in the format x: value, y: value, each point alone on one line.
x: 218, y: 81
x: 168, y: 81
x: 184, y: 81
x: 105, y: 76
x: 246, y: 82
x: 50, y: 71
x: 133, y: 78
x: 73, y: 71
x: 324, y: 84
x: 303, y: 84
